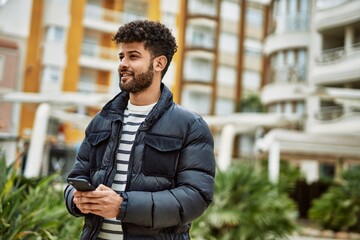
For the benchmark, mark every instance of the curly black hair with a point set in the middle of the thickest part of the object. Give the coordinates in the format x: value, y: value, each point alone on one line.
x: 156, y: 36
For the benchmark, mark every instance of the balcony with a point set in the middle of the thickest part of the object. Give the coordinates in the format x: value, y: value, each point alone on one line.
x: 96, y: 57
x: 287, y: 74
x: 202, y: 8
x: 200, y: 34
x: 336, y: 119
x: 333, y: 13
x: 106, y: 20
x: 289, y: 40
x: 298, y: 22
x: 273, y: 93
x: 198, y: 70
x: 338, y: 65
x: 329, y: 113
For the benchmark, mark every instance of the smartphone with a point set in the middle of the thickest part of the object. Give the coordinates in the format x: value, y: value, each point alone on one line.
x: 81, y: 184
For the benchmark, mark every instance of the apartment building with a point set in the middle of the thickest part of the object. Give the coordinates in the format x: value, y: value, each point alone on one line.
x: 67, y: 49
x: 312, y: 70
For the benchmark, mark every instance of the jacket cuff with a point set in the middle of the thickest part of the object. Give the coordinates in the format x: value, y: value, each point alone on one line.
x: 123, y: 206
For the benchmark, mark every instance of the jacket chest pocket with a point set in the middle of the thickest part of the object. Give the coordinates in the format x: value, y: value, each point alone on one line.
x: 161, y: 155
x: 99, y: 142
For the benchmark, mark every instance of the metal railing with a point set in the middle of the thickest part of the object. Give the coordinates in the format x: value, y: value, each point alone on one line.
x: 329, y: 113
x: 287, y: 74
x: 298, y: 22
x: 336, y: 54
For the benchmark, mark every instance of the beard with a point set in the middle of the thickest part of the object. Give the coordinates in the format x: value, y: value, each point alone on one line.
x: 139, y: 83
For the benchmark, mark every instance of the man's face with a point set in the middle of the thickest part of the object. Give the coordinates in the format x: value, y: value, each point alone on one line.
x: 136, y: 67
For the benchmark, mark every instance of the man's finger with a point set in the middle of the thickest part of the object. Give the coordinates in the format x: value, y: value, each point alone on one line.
x: 102, y: 187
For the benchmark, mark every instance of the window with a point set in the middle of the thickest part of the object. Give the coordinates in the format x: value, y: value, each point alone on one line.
x: 51, y: 79
x: 251, y: 80
x: 300, y: 108
x: 327, y: 171
x: 230, y: 11
x: 226, y: 75
x: 196, y: 101
x: 229, y: 42
x: 55, y: 34
x: 254, y: 16
x: 224, y: 106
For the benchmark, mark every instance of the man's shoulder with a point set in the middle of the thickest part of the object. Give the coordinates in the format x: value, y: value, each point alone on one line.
x: 179, y: 113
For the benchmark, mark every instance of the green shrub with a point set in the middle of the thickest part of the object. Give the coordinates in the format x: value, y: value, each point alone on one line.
x: 33, y: 208
x: 339, y: 208
x: 246, y: 206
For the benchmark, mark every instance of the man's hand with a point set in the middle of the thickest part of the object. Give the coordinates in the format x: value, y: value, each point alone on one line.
x: 103, y: 201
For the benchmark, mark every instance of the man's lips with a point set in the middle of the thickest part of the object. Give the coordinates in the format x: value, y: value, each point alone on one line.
x: 125, y: 76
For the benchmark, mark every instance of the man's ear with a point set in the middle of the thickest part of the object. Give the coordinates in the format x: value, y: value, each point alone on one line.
x: 160, y: 63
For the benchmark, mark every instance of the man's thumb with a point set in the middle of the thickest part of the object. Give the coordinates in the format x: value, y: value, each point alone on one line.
x: 102, y: 187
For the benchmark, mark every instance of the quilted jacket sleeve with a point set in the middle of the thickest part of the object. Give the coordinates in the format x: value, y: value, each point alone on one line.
x: 81, y: 169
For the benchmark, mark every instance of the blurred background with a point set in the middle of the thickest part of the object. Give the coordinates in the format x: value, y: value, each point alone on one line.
x: 275, y: 80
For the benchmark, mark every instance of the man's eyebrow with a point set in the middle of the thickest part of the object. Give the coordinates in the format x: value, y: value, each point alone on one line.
x: 130, y: 52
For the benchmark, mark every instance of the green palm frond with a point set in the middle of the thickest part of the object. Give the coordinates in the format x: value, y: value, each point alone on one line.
x: 246, y: 206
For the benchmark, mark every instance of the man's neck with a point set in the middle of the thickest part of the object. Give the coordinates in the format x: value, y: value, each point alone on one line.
x: 147, y: 97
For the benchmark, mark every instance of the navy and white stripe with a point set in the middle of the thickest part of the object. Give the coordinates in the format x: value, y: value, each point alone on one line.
x: 134, y: 115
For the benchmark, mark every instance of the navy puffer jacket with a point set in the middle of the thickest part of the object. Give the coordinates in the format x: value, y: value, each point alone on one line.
x: 171, y: 169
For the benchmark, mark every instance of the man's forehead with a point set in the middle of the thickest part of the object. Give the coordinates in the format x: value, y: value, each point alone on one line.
x: 132, y: 47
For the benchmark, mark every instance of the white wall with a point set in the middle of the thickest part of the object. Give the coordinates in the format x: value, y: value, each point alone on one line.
x: 15, y: 18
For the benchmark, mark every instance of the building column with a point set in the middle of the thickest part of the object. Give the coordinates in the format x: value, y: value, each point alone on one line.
x: 35, y: 156
x: 274, y: 162
x: 226, y: 146
x: 349, y: 38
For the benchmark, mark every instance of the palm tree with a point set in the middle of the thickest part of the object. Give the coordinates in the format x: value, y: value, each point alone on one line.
x: 246, y: 206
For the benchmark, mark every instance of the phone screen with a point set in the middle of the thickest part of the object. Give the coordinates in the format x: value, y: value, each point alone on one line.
x: 81, y: 184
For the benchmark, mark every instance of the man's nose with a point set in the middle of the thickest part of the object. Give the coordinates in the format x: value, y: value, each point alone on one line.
x: 123, y: 64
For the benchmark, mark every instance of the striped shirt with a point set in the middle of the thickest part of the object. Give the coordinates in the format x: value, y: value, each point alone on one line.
x: 133, y: 117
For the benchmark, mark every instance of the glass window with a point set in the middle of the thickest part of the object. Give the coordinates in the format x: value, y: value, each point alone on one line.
x: 301, y: 58
x: 224, y: 106
x: 51, y: 79
x: 226, y: 75
x: 251, y: 80
x: 228, y: 42
x: 230, y: 11
x: 55, y: 34
x: 290, y: 57
x: 254, y: 16
x: 255, y: 52
x: 300, y: 108
x: 288, y: 108
x: 196, y: 101
x: 198, y: 69
x: 327, y: 171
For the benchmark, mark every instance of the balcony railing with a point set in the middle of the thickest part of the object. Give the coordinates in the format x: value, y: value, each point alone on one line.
x: 287, y: 74
x: 93, y: 50
x: 101, y: 14
x: 336, y: 54
x: 298, y: 22
x: 326, y: 4
x: 329, y: 113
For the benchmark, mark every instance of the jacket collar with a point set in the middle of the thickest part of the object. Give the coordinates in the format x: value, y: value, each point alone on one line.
x: 114, y: 109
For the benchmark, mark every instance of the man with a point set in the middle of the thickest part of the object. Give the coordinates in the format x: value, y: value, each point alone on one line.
x: 151, y: 161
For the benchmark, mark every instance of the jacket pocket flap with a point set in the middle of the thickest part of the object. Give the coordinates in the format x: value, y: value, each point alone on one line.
x: 96, y: 138
x: 163, y: 143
